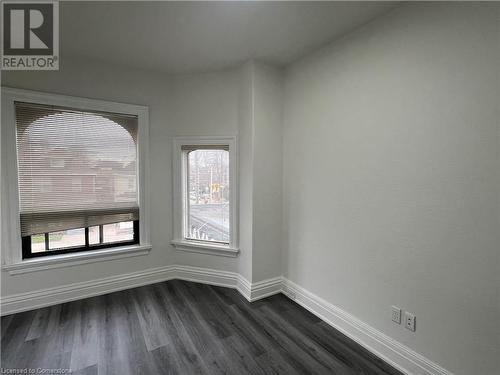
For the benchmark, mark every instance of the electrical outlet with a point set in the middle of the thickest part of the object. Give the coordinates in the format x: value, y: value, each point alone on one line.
x: 396, y: 314
x: 410, y: 321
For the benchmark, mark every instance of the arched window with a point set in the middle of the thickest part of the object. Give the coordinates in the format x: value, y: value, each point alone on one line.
x: 77, y: 174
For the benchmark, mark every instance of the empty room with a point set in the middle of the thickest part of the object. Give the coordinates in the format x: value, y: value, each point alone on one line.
x: 250, y: 187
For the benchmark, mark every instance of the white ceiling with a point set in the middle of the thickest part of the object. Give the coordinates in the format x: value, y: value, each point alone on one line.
x: 180, y: 37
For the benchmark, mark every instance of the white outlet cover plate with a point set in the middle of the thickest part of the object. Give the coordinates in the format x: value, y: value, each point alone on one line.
x: 410, y: 321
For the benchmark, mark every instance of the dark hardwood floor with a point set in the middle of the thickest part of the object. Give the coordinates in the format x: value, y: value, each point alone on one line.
x: 179, y: 327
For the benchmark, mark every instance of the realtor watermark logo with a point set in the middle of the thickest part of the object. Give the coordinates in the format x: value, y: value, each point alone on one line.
x: 30, y: 35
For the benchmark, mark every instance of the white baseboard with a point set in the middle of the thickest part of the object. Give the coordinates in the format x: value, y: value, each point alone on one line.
x: 266, y: 288
x: 251, y: 291
x: 52, y: 296
x: 393, y: 352
x: 71, y: 292
x: 206, y: 276
x: 390, y: 350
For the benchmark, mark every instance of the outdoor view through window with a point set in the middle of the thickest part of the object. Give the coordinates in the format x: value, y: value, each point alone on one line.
x: 208, y: 195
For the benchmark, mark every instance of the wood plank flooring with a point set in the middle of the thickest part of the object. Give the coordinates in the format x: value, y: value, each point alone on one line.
x: 180, y: 327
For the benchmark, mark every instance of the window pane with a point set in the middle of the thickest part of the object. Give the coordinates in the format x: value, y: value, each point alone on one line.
x: 117, y: 232
x: 208, y: 192
x: 37, y: 243
x: 93, y: 235
x: 67, y: 238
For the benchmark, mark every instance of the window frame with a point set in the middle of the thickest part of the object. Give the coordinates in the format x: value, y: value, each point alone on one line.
x: 180, y: 242
x: 28, y: 253
x: 11, y: 240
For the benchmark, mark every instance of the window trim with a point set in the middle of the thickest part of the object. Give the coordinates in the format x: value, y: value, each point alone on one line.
x: 179, y: 198
x: 11, y: 241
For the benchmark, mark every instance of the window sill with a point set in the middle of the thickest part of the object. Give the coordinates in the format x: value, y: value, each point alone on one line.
x: 68, y: 260
x: 204, y: 248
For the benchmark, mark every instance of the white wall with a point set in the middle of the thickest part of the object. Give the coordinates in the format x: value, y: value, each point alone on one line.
x: 204, y: 104
x: 246, y: 152
x: 219, y: 103
x: 267, y: 171
x: 93, y: 80
x: 391, y: 178
x: 260, y: 200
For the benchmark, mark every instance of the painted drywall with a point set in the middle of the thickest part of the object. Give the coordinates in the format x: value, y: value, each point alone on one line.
x: 260, y: 162
x: 246, y: 152
x: 209, y: 104
x: 94, y: 80
x: 267, y: 172
x: 391, y: 178
x: 204, y: 104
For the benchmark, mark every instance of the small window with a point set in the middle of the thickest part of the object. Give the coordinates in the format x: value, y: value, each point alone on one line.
x: 205, y: 193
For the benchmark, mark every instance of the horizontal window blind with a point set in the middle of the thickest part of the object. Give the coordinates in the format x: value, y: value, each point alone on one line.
x: 76, y: 168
